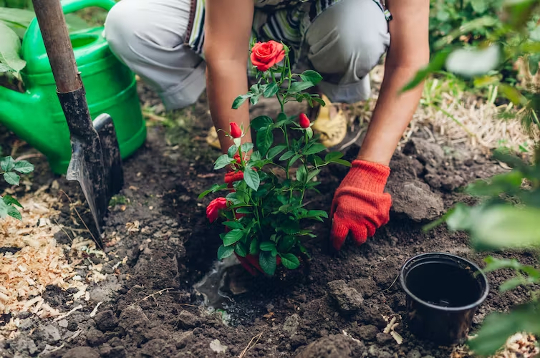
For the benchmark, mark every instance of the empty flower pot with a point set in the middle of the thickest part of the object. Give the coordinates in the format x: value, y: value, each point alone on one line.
x: 443, y: 292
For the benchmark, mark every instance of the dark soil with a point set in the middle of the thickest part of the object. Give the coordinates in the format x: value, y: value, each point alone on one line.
x: 150, y: 308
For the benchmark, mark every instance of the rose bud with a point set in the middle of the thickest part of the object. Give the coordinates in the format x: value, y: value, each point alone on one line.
x: 236, y: 132
x: 212, y: 210
x: 303, y: 120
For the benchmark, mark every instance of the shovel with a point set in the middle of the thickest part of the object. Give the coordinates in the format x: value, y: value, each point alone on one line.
x: 95, y: 161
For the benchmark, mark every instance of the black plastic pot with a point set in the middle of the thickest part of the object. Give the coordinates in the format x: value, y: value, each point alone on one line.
x: 443, y: 293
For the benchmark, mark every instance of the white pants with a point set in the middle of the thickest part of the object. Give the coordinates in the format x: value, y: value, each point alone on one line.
x: 344, y: 43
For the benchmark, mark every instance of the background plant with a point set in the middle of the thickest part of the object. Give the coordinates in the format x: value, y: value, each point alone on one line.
x: 506, y: 215
x: 266, y: 215
x: 11, y: 171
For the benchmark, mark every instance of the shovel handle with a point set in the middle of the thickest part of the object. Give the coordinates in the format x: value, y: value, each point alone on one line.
x: 55, y: 34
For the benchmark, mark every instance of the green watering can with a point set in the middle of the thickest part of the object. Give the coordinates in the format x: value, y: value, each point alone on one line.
x: 36, y: 115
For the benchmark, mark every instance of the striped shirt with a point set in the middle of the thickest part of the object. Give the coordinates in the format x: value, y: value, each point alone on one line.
x: 278, y: 20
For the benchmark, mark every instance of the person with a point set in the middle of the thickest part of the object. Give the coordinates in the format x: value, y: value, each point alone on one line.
x: 179, y: 47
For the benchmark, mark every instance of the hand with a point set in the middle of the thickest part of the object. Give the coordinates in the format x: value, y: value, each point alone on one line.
x: 360, y: 205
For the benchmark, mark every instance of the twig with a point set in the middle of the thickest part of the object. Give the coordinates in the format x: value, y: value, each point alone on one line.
x: 94, y: 311
x: 251, y: 344
x: 86, y: 226
x: 152, y: 295
x: 29, y: 156
x: 67, y: 314
x: 62, y: 228
x: 389, y: 287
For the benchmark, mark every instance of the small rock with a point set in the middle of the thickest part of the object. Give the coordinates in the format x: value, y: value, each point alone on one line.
x: 26, y: 324
x: 51, y: 332
x: 291, y: 324
x: 95, y: 338
x: 23, y: 344
x: 426, y: 152
x: 72, y: 326
x: 368, y: 332
x: 377, y: 352
x: 63, y: 323
x: 187, y: 320
x: 81, y: 352
x: 106, y: 321
x: 335, y: 346
x: 217, y: 347
x: 347, y: 298
x: 416, y: 200
x: 384, y: 338
x: 182, y: 339
x: 366, y: 286
x: 429, y: 356
x: 153, y: 348
x: 414, y: 354
x: 24, y: 314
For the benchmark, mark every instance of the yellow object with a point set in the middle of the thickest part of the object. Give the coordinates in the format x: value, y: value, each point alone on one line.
x: 332, y: 129
x: 212, y: 138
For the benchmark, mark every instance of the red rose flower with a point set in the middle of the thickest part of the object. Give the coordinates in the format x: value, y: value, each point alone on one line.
x: 236, y: 132
x: 266, y: 54
x: 303, y: 120
x: 212, y: 210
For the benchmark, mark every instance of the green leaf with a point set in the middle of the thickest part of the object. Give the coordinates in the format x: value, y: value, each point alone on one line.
x: 10, y: 47
x: 261, y: 122
x: 19, y: 18
x: 333, y: 156
x: 294, y: 159
x: 311, y: 76
x: 494, y: 264
x: 505, y: 226
x: 286, y: 243
x: 513, y: 283
x: 4, y: 209
x: 265, y: 139
x: 233, y: 225
x: 301, y: 174
x: 239, y: 100
x: 275, y: 151
x: 251, y: 177
x: 300, y: 86
x: 267, y: 246
x: 9, y: 200
x: 240, y: 249
x: 287, y: 155
x: 232, y: 151
x: 232, y: 237
x: 254, y: 247
x: 12, y: 178
x: 498, y: 327
x: 246, y: 147
x: 14, y: 213
x: 7, y: 164
x: 224, y: 251
x: 213, y: 189
x: 313, y: 174
x: 290, y: 261
x: 315, y: 148
x: 271, y: 90
x: 255, y: 156
x: 342, y: 162
x: 436, y: 64
x: 222, y: 162
x: 244, y: 211
x: 267, y: 262
x: 23, y: 167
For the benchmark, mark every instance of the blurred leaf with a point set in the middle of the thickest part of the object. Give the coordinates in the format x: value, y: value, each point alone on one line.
x: 271, y: 90
x: 267, y: 262
x: 261, y: 122
x: 12, y: 178
x: 225, y: 251
x: 290, y: 261
x: 300, y: 86
x: 497, y: 327
x: 504, y: 226
x: 10, y: 46
x: 9, y: 200
x: 496, y: 185
x: 23, y: 167
x: 473, y: 62
x: 436, y: 64
x: 513, y: 94
x: 251, y: 178
x: 512, y: 283
x: 14, y: 213
x: 311, y: 76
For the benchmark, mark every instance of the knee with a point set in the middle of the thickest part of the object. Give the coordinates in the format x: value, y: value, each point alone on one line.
x: 356, y: 37
x: 123, y: 29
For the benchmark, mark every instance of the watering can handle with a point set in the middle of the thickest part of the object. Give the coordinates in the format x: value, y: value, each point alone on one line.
x: 70, y: 6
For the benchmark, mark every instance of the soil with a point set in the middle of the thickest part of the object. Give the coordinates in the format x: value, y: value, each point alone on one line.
x: 336, y: 305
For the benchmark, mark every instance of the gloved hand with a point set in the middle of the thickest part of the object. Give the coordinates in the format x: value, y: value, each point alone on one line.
x: 360, y: 205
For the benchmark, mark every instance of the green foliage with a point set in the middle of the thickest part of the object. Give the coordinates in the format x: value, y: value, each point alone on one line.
x: 496, y: 34
x: 265, y: 215
x: 10, y: 170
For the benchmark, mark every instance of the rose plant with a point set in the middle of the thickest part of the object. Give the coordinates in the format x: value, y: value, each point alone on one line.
x: 263, y: 211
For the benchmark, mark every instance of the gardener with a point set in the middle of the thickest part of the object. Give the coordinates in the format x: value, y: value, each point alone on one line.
x: 163, y: 41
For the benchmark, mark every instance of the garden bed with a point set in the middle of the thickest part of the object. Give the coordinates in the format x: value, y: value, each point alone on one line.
x: 159, y: 244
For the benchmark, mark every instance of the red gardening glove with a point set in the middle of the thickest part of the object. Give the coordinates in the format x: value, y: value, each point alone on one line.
x: 360, y: 205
